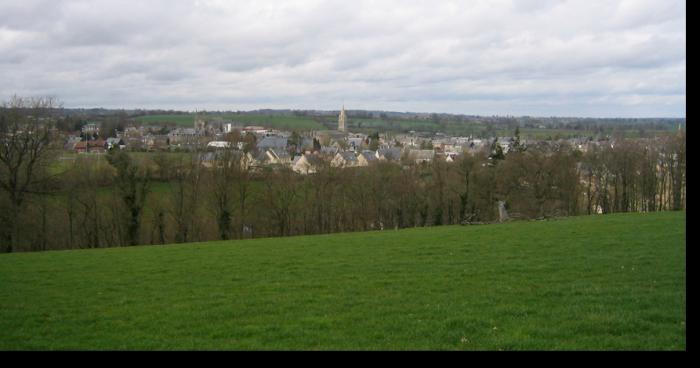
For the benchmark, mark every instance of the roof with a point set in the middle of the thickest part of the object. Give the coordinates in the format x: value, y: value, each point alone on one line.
x: 272, y: 142
x: 369, y: 155
x: 306, y: 141
x: 329, y: 150
x: 393, y: 153
x: 348, y: 156
x: 219, y: 144
x: 261, y: 156
x: 313, y: 159
x: 95, y: 143
x: 280, y: 153
x: 183, y: 131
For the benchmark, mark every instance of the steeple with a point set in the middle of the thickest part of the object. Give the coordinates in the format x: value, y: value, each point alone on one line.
x: 341, y: 119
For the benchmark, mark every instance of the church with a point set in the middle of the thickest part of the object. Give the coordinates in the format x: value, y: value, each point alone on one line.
x: 342, y: 118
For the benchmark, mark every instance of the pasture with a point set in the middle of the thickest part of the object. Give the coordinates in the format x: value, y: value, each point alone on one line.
x: 290, y: 123
x: 613, y: 282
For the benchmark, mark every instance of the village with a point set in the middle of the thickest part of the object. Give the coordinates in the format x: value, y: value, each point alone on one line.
x: 303, y: 152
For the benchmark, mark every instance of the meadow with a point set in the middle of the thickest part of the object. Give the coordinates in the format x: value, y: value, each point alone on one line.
x: 290, y: 123
x: 612, y: 282
x: 371, y: 125
x: 179, y: 119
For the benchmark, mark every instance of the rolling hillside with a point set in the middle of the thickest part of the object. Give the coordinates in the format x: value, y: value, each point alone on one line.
x: 599, y: 282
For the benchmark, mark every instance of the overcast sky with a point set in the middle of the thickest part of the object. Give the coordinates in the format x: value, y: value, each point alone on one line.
x: 522, y: 57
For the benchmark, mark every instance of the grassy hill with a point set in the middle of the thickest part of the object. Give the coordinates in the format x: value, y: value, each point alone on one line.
x: 600, y: 282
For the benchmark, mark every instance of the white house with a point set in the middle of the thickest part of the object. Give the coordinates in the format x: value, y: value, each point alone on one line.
x: 307, y: 164
x: 366, y: 157
x: 219, y: 144
x: 115, y: 143
x: 277, y: 156
x: 389, y: 154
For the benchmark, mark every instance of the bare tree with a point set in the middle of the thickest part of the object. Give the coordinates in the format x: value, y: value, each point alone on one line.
x: 133, y: 184
x: 223, y: 175
x: 25, y: 155
x: 281, y: 193
x: 184, y: 197
x: 677, y: 169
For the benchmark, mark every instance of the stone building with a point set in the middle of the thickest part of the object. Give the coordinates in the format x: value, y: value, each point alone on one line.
x: 342, y: 118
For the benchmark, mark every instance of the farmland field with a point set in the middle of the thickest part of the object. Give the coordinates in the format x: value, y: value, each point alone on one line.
x: 184, y: 119
x: 371, y: 125
x: 276, y: 122
x: 595, y: 282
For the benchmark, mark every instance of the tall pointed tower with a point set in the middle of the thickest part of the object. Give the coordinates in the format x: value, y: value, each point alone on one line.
x: 341, y: 119
x: 199, y: 122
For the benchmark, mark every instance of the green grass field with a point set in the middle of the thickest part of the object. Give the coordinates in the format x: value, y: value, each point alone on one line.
x: 367, y: 125
x: 599, y: 282
x: 291, y: 123
x: 183, y: 119
x: 298, y: 123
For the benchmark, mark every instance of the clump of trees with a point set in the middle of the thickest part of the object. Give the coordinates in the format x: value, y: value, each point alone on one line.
x: 118, y: 200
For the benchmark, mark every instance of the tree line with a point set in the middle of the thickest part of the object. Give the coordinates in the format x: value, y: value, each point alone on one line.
x: 120, y: 199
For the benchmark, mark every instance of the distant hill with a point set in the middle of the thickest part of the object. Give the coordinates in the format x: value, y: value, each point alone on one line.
x: 598, y: 282
x: 378, y: 114
x: 455, y: 125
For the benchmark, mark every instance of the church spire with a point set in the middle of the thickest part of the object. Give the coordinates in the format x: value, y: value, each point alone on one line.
x: 342, y: 119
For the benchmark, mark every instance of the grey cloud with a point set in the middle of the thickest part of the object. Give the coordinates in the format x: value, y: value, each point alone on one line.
x: 603, y: 58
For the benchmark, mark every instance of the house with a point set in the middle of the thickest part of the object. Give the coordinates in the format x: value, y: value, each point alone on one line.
x: 278, y: 157
x: 355, y: 142
x: 329, y: 151
x: 366, y: 157
x: 306, y: 143
x: 295, y: 160
x: 505, y: 143
x: 259, y: 158
x: 279, y: 143
x: 419, y: 156
x: 90, y: 128
x: 218, y: 144
x: 329, y: 136
x: 251, y: 161
x: 184, y: 136
x: 389, y: 154
x: 115, y: 143
x: 474, y: 146
x: 216, y: 158
x: 207, y: 159
x: 451, y: 156
x: 580, y: 143
x: 95, y: 146
x: 307, y: 164
x: 129, y: 132
x: 153, y: 142
x: 255, y: 129
x: 71, y: 142
x: 134, y: 143
x: 345, y: 159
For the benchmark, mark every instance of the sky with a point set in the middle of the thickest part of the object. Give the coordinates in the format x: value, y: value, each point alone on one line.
x: 584, y: 58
